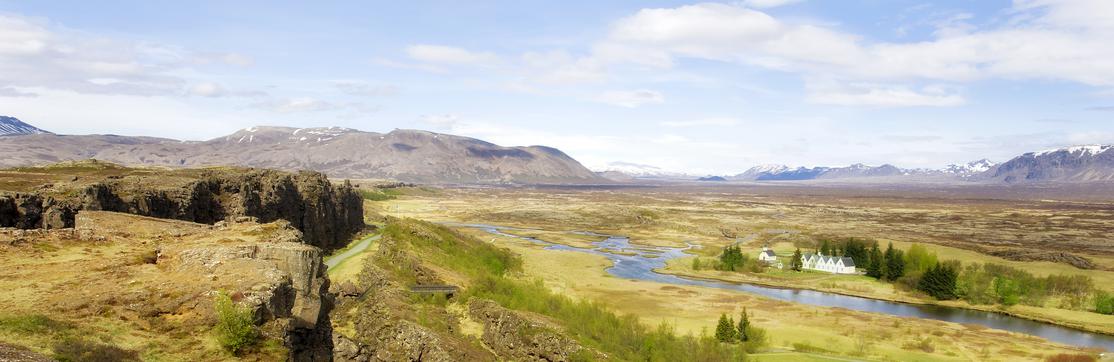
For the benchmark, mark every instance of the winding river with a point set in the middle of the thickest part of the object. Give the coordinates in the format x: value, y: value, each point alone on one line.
x: 639, y: 262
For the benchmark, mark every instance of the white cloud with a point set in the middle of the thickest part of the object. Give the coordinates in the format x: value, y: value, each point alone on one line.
x: 15, y: 92
x: 441, y: 54
x: 763, y: 4
x: 1041, y: 40
x: 881, y: 95
x: 444, y: 122
x: 295, y: 105
x: 361, y: 88
x: 207, y: 89
x: 723, y: 121
x: 630, y: 99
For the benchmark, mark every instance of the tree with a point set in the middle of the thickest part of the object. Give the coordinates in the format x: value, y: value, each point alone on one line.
x: 797, y: 263
x: 744, y: 326
x: 696, y: 263
x: 825, y: 248
x: 725, y: 330
x: 877, y: 262
x: 857, y: 251
x: 235, y: 324
x: 732, y: 258
x: 939, y: 281
x: 919, y: 259
x: 895, y: 264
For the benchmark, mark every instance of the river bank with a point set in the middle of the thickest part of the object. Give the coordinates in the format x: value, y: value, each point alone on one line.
x: 1080, y: 320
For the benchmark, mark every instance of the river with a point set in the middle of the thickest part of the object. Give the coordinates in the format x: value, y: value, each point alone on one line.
x: 639, y: 262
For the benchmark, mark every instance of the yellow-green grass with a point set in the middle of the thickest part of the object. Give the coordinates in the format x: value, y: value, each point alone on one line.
x: 695, y: 309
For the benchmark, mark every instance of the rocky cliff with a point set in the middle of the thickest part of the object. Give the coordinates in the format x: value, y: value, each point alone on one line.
x: 326, y: 214
x: 154, y: 282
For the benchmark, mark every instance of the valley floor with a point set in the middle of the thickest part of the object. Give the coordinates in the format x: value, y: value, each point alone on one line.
x: 954, y: 230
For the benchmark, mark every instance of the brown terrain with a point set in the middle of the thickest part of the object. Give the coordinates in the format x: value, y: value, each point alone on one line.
x: 408, y: 155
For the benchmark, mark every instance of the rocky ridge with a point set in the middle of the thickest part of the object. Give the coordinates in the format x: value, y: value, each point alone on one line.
x: 326, y: 214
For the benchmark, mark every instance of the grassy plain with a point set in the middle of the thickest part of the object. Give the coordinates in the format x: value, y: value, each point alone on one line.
x: 955, y: 228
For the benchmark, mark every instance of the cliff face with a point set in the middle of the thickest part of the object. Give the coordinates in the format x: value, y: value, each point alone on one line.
x: 326, y: 214
x: 155, y: 281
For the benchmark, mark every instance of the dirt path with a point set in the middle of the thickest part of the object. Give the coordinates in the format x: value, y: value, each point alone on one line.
x: 353, y: 251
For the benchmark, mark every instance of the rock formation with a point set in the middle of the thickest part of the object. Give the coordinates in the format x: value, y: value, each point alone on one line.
x: 326, y: 214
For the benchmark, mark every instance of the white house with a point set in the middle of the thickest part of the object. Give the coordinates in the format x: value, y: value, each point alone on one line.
x: 830, y: 264
x: 767, y: 255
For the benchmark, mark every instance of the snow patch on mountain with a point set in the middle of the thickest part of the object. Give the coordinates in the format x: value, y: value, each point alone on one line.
x: 637, y: 170
x: 1081, y: 150
x: 13, y: 126
x: 970, y: 168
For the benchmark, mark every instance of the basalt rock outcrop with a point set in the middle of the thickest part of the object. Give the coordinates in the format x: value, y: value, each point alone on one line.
x: 517, y: 337
x: 156, y: 280
x: 326, y: 214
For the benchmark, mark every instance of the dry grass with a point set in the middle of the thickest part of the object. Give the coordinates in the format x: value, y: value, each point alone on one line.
x: 955, y: 229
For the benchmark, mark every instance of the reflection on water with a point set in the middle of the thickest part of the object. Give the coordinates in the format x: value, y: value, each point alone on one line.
x: 639, y: 262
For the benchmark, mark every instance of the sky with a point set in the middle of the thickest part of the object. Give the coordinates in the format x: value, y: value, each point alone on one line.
x: 702, y: 88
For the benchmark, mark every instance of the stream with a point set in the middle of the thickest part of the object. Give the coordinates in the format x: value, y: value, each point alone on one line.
x: 639, y: 262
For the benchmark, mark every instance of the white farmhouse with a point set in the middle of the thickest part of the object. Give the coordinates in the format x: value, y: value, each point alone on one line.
x: 767, y: 255
x: 830, y: 264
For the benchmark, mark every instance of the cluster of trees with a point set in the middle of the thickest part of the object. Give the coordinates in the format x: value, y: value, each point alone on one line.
x: 728, y: 331
x: 999, y: 284
x: 917, y: 268
x: 731, y: 259
x: 888, y: 266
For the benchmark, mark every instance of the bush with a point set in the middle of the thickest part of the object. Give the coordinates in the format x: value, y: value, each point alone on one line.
x: 1104, y: 303
x: 36, y: 324
x: 756, y: 339
x: 76, y: 350
x: 235, y: 324
x: 1064, y: 357
x: 923, y: 344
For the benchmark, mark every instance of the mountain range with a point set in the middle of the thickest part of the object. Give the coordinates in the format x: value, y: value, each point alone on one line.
x: 406, y: 155
x: 428, y: 157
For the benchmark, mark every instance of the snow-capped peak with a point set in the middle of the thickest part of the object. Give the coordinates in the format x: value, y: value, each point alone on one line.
x: 1089, y: 150
x: 13, y: 126
x: 769, y: 168
x: 636, y: 170
x: 971, y: 167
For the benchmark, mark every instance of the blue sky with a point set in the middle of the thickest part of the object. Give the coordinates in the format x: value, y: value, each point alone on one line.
x: 694, y: 87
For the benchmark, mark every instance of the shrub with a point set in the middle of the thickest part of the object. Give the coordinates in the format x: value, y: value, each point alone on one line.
x: 923, y: 344
x: 1065, y: 357
x: 235, y: 324
x: 77, y: 350
x: 32, y: 324
x: 756, y: 339
x: 1104, y: 303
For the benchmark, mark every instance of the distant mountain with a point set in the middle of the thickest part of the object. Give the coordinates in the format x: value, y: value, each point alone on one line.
x: 407, y: 155
x: 784, y: 173
x: 712, y: 178
x: 1071, y: 164
x: 620, y: 169
x: 969, y: 169
x: 13, y: 126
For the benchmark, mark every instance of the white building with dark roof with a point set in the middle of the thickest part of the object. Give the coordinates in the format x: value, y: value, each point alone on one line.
x: 767, y: 255
x: 829, y: 264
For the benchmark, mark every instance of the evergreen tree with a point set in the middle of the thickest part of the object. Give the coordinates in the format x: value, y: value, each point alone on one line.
x: 732, y: 258
x: 725, y: 330
x: 825, y: 248
x: 939, y: 282
x: 894, y: 266
x: 797, y: 263
x: 744, y: 326
x: 875, y: 265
